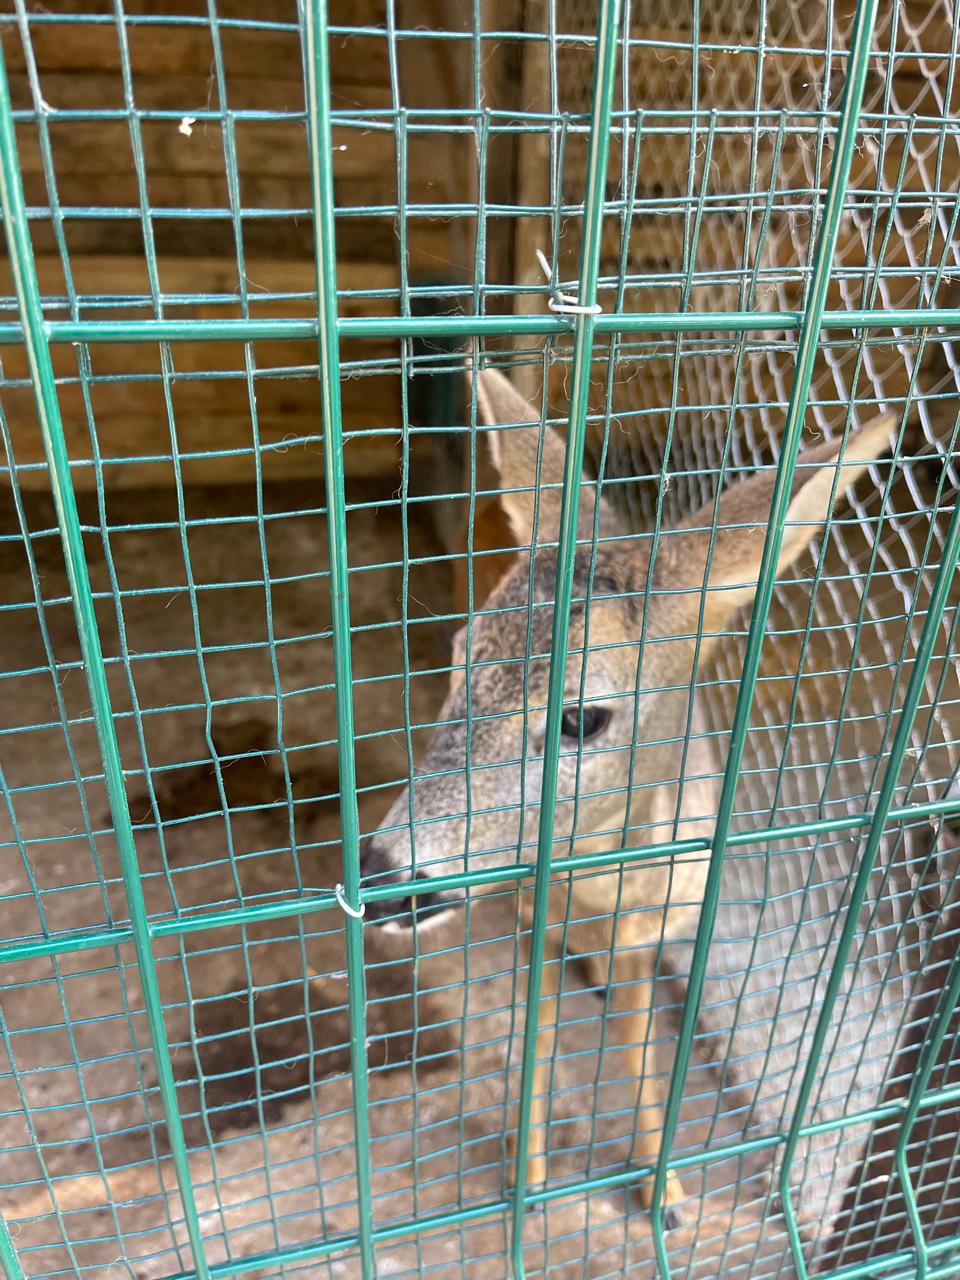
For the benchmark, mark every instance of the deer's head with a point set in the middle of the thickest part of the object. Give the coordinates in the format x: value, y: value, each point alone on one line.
x: 632, y: 648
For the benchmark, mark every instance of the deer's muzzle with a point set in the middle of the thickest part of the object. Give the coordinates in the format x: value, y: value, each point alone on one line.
x: 406, y: 910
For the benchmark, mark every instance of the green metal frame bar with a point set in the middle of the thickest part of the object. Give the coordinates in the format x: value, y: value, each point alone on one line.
x: 898, y: 749
x: 806, y: 355
x: 928, y: 1060
x: 478, y: 326
x: 604, y: 80
x: 317, y: 74
x: 51, y: 428
x: 292, y: 908
x: 9, y: 1261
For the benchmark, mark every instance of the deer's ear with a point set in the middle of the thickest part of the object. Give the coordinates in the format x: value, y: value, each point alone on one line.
x: 742, y: 522
x: 519, y: 443
x: 529, y: 458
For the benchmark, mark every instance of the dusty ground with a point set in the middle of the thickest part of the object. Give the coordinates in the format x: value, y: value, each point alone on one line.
x: 264, y: 1089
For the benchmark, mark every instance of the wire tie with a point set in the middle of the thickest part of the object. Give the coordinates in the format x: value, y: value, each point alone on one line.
x: 345, y: 906
x: 563, y: 303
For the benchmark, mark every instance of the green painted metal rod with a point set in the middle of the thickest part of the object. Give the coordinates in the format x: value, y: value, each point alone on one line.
x: 9, y: 1262
x: 20, y: 251
x: 871, y: 1270
x: 289, y: 908
x: 928, y: 1060
x: 643, y: 322
x: 252, y: 330
x: 604, y: 80
x: 305, y: 1253
x: 317, y: 74
x: 806, y: 356
x: 298, y: 1254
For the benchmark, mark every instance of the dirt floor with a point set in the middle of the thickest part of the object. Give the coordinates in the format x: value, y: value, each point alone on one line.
x: 256, y: 1014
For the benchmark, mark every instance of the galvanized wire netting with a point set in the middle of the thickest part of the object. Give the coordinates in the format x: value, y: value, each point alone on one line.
x: 216, y: 675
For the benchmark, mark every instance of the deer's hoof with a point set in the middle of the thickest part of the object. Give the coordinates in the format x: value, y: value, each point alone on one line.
x: 673, y: 1197
x: 672, y: 1219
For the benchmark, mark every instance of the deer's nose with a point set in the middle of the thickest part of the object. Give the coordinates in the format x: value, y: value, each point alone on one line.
x: 376, y: 864
x: 377, y: 869
x: 403, y: 908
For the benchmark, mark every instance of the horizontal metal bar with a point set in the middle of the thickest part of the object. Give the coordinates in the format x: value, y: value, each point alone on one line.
x: 748, y: 1146
x: 252, y: 330
x: 516, y: 124
x: 340, y: 1244
x: 904, y: 1258
x: 448, y: 212
x: 38, y: 948
x: 239, y: 916
x: 714, y: 1155
x: 35, y: 948
x: 863, y: 1271
x: 642, y: 322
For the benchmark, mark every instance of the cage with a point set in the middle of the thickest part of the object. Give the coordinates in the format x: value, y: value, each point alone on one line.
x: 259, y: 258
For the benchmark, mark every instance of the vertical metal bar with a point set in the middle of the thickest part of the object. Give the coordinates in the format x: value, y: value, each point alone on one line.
x: 605, y: 75
x: 928, y: 1059
x: 901, y: 740
x: 9, y: 1262
x: 322, y: 194
x: 37, y: 351
x: 806, y: 357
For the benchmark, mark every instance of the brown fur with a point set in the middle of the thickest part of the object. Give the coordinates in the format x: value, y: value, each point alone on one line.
x: 602, y: 803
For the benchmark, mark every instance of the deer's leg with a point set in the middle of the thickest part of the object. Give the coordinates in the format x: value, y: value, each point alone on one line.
x: 547, y: 1015
x: 632, y: 1028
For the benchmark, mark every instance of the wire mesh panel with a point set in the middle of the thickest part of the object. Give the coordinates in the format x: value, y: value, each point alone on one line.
x: 478, y: 578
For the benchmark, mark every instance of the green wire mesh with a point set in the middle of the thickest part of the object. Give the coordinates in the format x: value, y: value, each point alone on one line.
x: 241, y: 524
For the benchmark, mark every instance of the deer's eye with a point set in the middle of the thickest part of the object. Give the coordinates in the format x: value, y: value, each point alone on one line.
x: 587, y: 720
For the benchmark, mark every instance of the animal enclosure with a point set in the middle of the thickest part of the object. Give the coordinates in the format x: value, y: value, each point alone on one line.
x: 286, y: 286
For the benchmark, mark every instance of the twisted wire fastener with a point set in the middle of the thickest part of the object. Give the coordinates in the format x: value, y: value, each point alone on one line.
x: 345, y: 905
x: 563, y: 303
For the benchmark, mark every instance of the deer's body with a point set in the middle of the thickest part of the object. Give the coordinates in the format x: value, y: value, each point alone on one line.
x: 635, y: 767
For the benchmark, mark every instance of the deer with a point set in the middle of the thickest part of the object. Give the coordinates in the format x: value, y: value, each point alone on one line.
x: 632, y: 652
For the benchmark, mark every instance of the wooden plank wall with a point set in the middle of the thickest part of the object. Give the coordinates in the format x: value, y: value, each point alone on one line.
x: 172, y: 69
